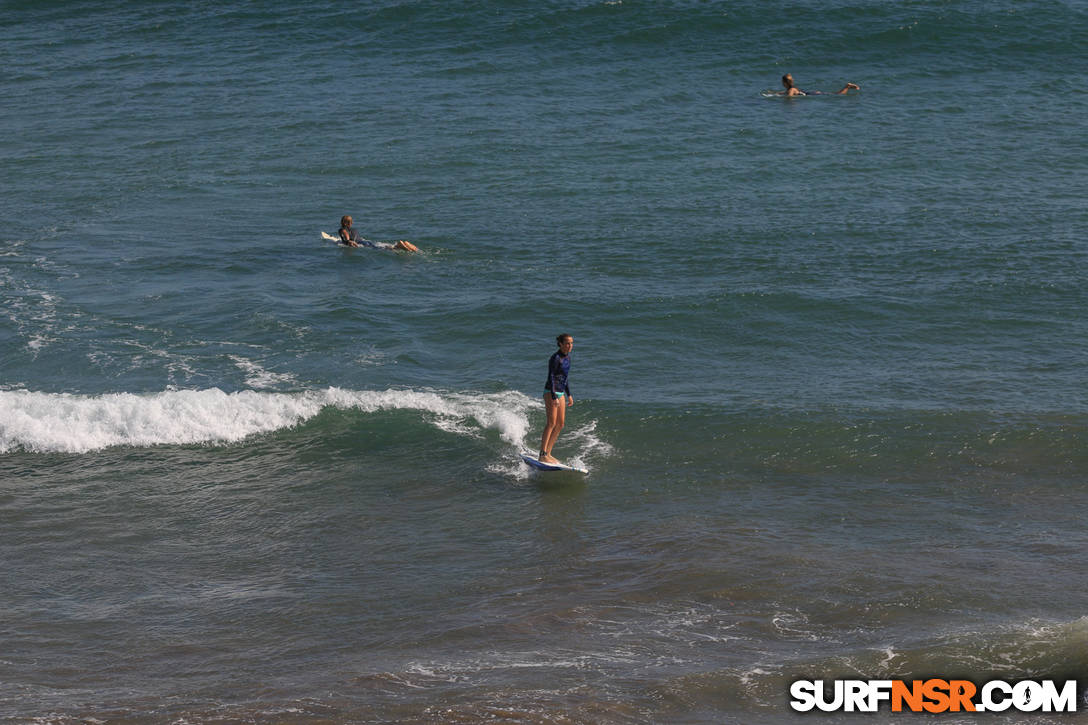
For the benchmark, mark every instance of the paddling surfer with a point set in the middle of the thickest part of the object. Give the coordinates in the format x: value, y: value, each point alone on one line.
x: 349, y: 236
x: 793, y: 90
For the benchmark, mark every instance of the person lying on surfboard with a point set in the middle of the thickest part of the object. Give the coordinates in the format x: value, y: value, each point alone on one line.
x: 350, y: 236
x: 557, y: 396
x: 792, y: 90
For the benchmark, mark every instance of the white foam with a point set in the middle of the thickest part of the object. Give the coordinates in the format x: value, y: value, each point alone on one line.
x: 34, y: 314
x: 258, y: 377
x: 588, y: 442
x: 890, y: 654
x: 510, y: 468
x: 51, y: 422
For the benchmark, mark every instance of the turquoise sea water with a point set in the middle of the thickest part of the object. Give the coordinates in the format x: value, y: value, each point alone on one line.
x: 828, y: 361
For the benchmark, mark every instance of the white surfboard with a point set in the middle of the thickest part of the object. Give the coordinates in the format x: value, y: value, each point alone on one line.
x: 367, y: 243
x: 535, y: 463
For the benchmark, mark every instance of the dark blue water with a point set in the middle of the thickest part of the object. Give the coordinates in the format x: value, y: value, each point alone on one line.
x: 827, y: 365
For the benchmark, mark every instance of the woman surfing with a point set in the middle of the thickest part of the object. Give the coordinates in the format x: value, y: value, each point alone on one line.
x: 557, y: 396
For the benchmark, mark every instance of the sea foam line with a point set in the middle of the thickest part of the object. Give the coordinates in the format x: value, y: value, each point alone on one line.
x: 66, y: 423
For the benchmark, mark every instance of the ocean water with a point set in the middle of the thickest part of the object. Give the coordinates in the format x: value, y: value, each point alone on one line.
x: 828, y: 365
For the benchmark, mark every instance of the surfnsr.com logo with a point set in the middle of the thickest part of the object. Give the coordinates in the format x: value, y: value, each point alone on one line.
x: 934, y: 696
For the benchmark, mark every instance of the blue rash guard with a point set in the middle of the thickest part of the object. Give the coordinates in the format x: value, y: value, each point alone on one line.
x: 353, y: 235
x: 558, y: 370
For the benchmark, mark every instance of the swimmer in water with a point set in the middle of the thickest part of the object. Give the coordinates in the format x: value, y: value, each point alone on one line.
x: 792, y: 90
x: 350, y: 237
x: 557, y: 396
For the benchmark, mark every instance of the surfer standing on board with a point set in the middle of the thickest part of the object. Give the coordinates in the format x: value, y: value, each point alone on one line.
x: 349, y: 236
x: 792, y: 90
x: 557, y: 396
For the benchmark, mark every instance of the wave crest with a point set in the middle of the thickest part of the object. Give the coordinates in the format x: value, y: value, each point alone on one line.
x: 66, y: 423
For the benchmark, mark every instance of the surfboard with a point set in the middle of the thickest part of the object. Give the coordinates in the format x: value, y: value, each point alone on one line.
x: 535, y: 463
x: 409, y: 247
x: 368, y: 244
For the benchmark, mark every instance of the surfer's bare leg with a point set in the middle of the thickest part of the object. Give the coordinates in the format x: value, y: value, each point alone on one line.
x: 557, y: 416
